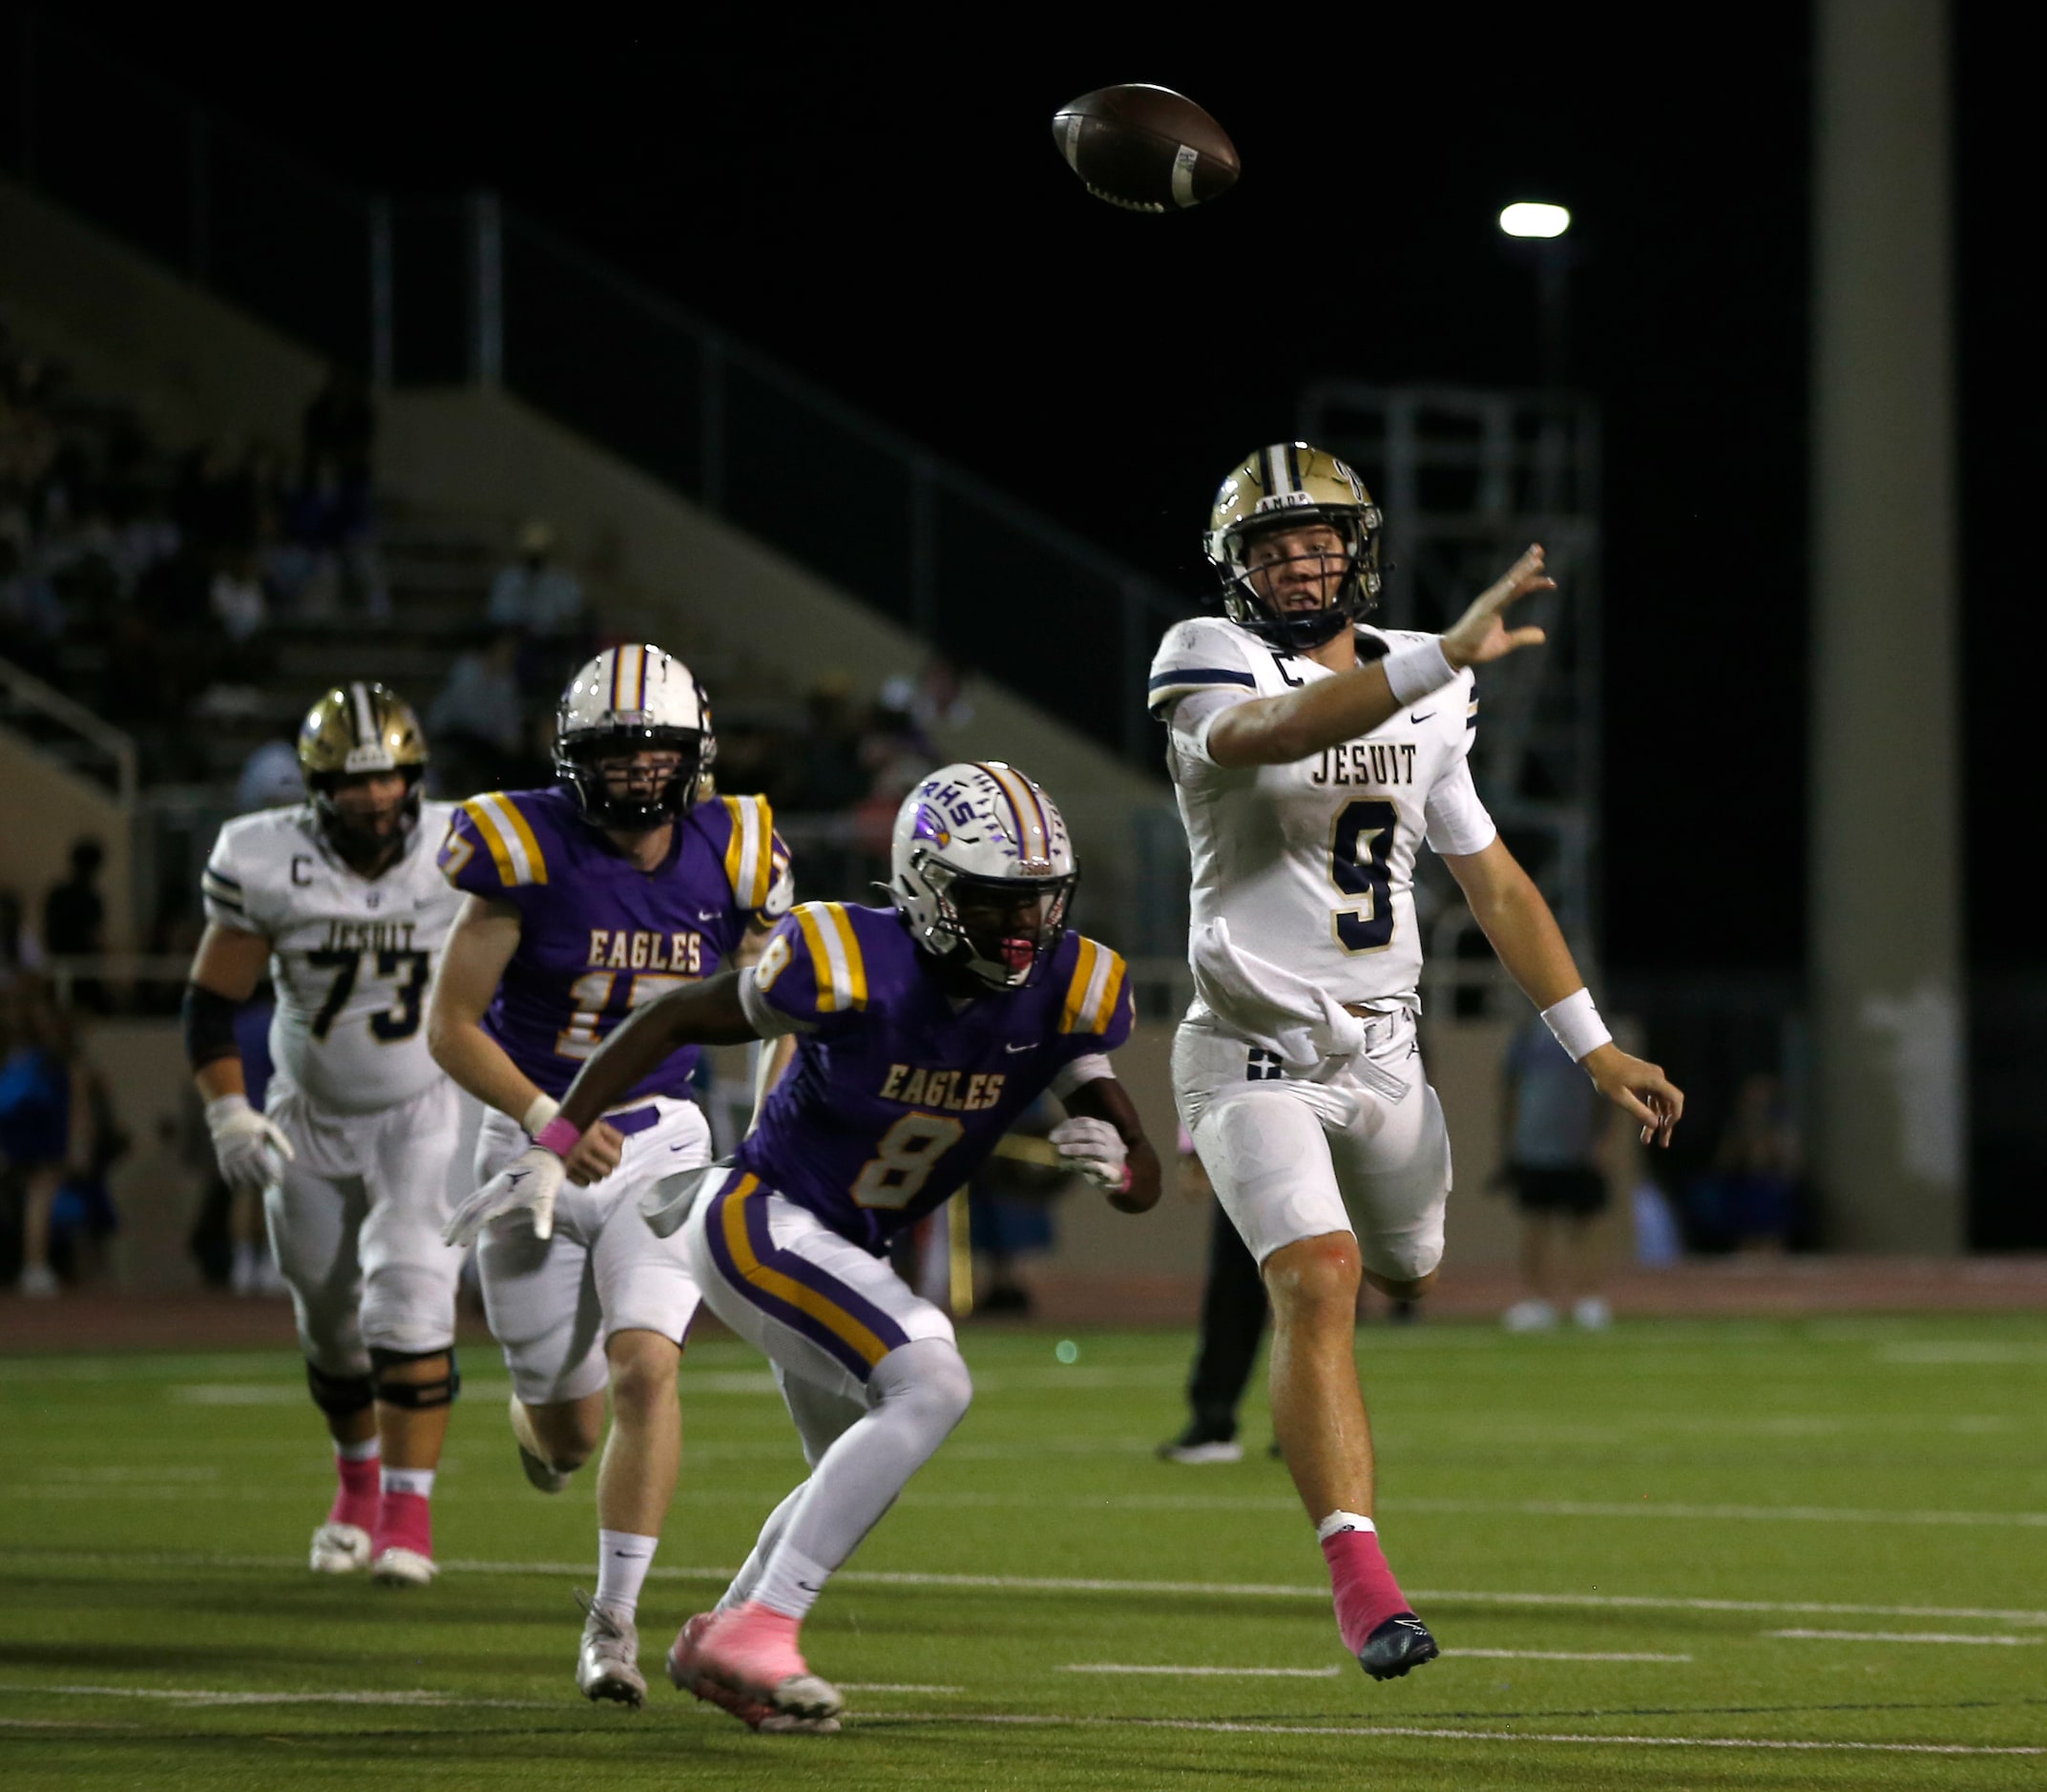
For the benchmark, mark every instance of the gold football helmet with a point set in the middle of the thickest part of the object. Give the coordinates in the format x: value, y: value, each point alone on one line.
x: 1290, y: 485
x: 354, y: 729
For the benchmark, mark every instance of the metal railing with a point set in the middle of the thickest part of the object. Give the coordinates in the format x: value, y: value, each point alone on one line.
x: 67, y: 732
x: 468, y: 290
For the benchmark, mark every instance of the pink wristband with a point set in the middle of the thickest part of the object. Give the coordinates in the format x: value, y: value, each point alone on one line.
x: 558, y: 1136
x: 1123, y: 1187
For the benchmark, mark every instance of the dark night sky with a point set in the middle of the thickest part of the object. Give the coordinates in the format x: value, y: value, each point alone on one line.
x: 887, y: 214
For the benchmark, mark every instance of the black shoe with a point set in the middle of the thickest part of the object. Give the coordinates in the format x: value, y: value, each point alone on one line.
x: 1400, y: 1643
x: 1202, y: 1442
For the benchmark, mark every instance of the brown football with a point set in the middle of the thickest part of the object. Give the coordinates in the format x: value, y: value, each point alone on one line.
x: 1145, y: 148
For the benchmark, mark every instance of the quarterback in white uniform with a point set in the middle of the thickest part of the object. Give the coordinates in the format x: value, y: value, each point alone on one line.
x: 340, y: 903
x: 1311, y: 758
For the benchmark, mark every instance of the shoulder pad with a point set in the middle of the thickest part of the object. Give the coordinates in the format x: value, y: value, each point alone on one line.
x: 756, y: 864
x: 814, y: 966
x: 1097, y: 1000
x: 1200, y: 655
x: 510, y: 851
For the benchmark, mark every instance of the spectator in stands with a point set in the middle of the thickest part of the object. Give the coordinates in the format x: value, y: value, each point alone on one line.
x: 36, y: 1119
x: 1009, y: 1214
x: 1754, y: 1197
x: 19, y: 949
x: 82, y: 1218
x: 269, y: 778
x: 532, y: 593
x: 75, y: 917
x: 237, y: 596
x: 1551, y: 1123
x: 339, y: 432
x: 476, y: 722
x: 830, y: 777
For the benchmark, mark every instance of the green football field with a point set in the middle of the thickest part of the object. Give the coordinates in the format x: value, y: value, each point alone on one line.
x: 1723, y: 1555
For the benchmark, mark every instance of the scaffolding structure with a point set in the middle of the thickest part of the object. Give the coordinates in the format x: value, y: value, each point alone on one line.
x: 1468, y: 479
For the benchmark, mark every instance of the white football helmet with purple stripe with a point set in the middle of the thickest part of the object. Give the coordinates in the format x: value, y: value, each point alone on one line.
x: 631, y: 699
x: 982, y: 867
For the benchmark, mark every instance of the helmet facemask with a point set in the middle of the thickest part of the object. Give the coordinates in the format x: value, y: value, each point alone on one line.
x: 1298, y: 629
x: 356, y: 834
x: 645, y: 802
x: 995, y: 929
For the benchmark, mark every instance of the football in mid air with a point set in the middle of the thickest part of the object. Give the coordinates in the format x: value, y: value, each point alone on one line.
x: 1145, y: 148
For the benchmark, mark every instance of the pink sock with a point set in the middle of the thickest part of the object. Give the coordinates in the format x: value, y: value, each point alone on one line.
x: 1367, y: 1593
x: 405, y: 1521
x: 355, y: 1499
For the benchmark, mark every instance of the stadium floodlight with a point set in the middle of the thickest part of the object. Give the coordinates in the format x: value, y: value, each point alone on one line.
x: 1532, y: 218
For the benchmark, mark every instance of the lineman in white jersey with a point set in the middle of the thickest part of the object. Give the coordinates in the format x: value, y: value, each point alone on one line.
x: 341, y: 904
x: 1311, y: 758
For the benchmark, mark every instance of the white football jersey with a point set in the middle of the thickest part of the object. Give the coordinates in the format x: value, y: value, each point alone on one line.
x: 351, y: 957
x: 1312, y: 864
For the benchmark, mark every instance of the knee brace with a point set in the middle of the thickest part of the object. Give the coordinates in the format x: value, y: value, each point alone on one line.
x: 414, y: 1396
x: 339, y: 1395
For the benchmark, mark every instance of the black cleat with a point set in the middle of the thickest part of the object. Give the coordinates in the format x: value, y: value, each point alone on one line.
x: 1400, y: 1643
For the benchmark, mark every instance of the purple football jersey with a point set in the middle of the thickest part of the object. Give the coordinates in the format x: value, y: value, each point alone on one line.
x: 599, y: 936
x: 897, y: 1093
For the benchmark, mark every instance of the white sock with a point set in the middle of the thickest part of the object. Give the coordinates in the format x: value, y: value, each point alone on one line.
x: 1342, y: 1521
x: 418, y: 1481
x: 623, y: 1558
x: 366, y: 1450
x: 790, y: 1583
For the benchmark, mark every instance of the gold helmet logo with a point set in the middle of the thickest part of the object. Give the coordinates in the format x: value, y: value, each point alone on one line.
x: 359, y: 727
x: 1292, y: 485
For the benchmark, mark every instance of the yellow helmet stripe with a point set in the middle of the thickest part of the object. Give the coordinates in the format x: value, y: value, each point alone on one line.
x: 849, y: 954
x: 1032, y: 842
x: 1076, y: 990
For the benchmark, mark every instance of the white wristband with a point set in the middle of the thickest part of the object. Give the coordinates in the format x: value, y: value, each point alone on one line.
x: 1577, y: 1026
x: 1413, y: 672
x: 543, y: 1109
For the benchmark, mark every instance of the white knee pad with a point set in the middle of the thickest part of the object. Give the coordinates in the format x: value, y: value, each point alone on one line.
x: 928, y: 1377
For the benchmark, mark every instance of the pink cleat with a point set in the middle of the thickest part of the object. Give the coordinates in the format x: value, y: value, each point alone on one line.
x: 745, y: 1661
x: 402, y: 1549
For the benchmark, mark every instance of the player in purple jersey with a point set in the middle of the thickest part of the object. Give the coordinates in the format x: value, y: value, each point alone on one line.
x: 584, y: 903
x: 922, y: 1030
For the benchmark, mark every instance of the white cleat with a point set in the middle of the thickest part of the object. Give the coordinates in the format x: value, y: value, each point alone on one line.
x: 607, y: 1664
x: 401, y: 1567
x: 1530, y: 1316
x: 339, y: 1549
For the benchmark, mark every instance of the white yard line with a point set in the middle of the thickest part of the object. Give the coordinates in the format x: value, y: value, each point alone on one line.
x: 1561, y: 1655
x: 1899, y: 1637
x: 891, y: 1686
x: 224, y: 1695
x: 1264, y: 1674
x: 1512, y: 1737
x: 1028, y: 1583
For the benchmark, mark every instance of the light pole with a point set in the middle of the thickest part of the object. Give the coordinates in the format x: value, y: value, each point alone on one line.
x: 1542, y: 226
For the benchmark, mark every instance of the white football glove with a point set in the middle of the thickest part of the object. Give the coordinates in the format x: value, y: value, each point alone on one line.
x: 527, y: 1184
x: 252, y: 1152
x: 1096, y: 1149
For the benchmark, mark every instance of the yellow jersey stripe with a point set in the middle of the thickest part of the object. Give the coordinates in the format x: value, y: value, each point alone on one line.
x: 1076, y: 991
x: 1103, y: 1012
x: 486, y: 826
x: 763, y: 854
x: 735, y: 844
x: 856, y: 965
x: 822, y: 971
x: 810, y: 1301
x: 537, y: 860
